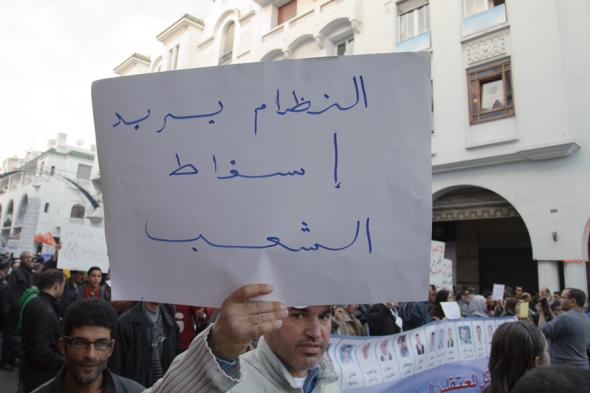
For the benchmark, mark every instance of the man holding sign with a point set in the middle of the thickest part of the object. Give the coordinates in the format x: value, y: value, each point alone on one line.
x: 289, y: 357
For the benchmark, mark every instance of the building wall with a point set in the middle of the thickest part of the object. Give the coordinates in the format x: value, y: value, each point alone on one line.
x: 41, y: 187
x: 537, y: 160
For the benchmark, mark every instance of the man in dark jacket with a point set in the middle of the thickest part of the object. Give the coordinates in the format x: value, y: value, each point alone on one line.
x: 383, y: 320
x: 41, y: 331
x: 71, y: 291
x: 4, y: 308
x: 90, y: 327
x: 21, y: 279
x: 147, y: 342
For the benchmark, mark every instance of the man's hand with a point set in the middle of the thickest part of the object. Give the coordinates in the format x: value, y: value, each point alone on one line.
x: 241, y: 320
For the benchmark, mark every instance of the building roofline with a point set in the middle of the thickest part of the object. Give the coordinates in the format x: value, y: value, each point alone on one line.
x: 134, y: 58
x: 185, y: 21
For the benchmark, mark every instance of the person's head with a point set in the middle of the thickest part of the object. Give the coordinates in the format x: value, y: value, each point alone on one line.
x: 558, y: 378
x: 26, y: 259
x: 572, y: 299
x: 4, y: 265
x: 556, y: 296
x: 302, y: 339
x: 525, y: 296
x: 545, y: 293
x: 431, y: 294
x: 510, y: 304
x: 77, y: 276
x: 556, y: 308
x: 88, y: 321
x: 478, y: 330
x: 401, y: 341
x: 518, y: 291
x: 466, y: 296
x: 51, y: 281
x: 418, y: 341
x: 442, y: 296
x: 94, y: 277
x: 352, y: 308
x: 516, y: 348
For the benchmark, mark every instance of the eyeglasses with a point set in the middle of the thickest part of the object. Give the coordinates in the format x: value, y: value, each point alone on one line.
x: 102, y: 344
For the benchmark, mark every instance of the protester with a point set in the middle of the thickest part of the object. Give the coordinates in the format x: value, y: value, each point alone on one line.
x: 93, y: 288
x: 509, y: 307
x: 516, y: 348
x: 41, y: 331
x: 558, y: 378
x: 89, y: 330
x: 147, y: 342
x: 71, y: 294
x: 463, y: 299
x: 4, y: 309
x: 477, y: 307
x: 569, y: 332
x: 436, y: 311
x: 414, y: 314
x: 383, y: 320
x: 348, y: 324
x: 21, y: 279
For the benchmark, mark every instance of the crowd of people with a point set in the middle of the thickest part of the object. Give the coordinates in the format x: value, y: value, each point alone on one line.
x: 62, y: 332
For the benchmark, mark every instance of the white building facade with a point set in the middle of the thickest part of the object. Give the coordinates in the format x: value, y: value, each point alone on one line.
x: 43, y: 193
x: 511, y: 128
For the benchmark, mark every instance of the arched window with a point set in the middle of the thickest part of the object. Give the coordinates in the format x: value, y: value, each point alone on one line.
x: 46, y: 208
x: 77, y: 211
x: 227, y: 43
x: 22, y: 209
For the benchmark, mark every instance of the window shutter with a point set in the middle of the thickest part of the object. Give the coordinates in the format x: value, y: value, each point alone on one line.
x: 409, y: 5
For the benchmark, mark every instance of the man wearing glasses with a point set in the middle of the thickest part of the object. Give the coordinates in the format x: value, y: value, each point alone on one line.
x: 90, y: 328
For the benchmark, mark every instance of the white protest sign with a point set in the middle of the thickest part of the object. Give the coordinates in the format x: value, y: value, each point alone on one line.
x: 498, y: 292
x: 451, y: 310
x: 82, y: 247
x: 311, y: 175
x: 441, y: 269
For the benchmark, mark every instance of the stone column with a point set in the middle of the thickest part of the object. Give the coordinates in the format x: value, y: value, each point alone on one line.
x: 548, y: 275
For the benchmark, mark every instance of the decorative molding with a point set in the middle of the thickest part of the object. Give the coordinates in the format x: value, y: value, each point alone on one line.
x: 205, y: 43
x: 487, y: 47
x: 474, y: 213
x: 132, y: 60
x: 532, y: 153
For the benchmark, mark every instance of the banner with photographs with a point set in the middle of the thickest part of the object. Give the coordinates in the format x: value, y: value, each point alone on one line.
x: 439, y: 357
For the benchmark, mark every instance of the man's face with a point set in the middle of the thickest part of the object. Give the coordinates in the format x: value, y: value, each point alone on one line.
x: 85, y: 365
x: 565, y: 301
x: 94, y: 278
x: 518, y: 291
x: 302, y: 340
x: 384, y: 349
x: 26, y: 258
x: 418, y: 339
x: 78, y: 277
x: 464, y: 333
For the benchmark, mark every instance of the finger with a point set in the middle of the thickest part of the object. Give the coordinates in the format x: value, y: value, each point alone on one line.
x: 264, y: 328
x: 267, y: 317
x: 260, y: 307
x: 249, y: 291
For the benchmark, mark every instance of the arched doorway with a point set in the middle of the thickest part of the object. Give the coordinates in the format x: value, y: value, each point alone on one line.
x: 486, y: 238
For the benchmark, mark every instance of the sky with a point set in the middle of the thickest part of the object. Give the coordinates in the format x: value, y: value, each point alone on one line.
x: 52, y: 51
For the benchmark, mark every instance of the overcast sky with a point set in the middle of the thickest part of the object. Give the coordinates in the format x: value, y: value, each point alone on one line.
x: 52, y: 50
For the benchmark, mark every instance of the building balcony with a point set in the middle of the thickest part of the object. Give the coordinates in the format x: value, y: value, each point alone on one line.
x: 311, y: 23
x: 414, y: 44
x: 484, y: 21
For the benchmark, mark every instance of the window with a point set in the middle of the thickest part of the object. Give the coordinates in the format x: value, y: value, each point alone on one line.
x: 52, y: 171
x: 228, y: 43
x: 472, y: 7
x: 287, y: 11
x: 414, y: 18
x: 46, y: 208
x: 345, y: 47
x: 490, y: 92
x: 173, y: 57
x: 77, y: 211
x: 41, y: 167
x: 83, y: 172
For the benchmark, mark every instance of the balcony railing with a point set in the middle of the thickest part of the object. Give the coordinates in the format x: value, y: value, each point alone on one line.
x: 415, y: 44
x: 484, y: 20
